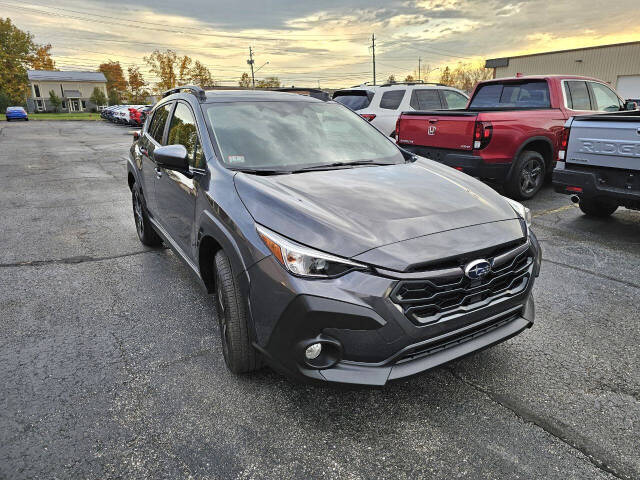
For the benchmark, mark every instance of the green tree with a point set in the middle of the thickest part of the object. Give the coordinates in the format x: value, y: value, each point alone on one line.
x: 98, y: 97
x: 269, y: 82
x: 114, y: 98
x: 245, y: 80
x: 54, y: 100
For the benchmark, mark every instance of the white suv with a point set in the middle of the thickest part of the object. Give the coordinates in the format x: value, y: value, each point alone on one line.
x: 382, y: 105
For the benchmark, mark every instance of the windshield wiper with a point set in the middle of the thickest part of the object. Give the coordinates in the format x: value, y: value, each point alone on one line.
x: 260, y: 171
x: 329, y: 166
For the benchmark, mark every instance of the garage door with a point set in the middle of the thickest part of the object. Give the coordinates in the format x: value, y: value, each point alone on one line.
x: 629, y: 86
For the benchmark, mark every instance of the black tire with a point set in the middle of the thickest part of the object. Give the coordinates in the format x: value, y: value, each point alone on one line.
x: 26, y: 119
x: 146, y: 233
x: 8, y: 119
x: 239, y: 354
x: 527, y: 176
x: 594, y: 207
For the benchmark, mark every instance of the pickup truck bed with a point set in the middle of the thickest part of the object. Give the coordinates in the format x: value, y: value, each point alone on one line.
x: 600, y: 167
x: 509, y: 132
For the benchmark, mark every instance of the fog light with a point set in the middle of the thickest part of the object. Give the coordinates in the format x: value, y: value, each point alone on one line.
x: 313, y: 351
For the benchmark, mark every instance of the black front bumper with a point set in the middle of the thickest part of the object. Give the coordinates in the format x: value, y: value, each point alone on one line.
x: 620, y: 185
x: 377, y: 341
x: 468, y: 163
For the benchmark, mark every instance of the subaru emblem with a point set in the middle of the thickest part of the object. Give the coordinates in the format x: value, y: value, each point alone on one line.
x: 477, y: 269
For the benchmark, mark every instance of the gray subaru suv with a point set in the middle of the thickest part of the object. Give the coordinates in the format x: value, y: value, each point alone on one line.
x: 334, y: 254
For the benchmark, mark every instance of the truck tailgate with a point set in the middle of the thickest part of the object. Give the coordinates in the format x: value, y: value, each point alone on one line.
x: 451, y: 130
x: 605, y: 141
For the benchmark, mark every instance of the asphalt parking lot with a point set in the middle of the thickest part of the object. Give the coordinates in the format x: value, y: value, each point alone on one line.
x: 111, y: 367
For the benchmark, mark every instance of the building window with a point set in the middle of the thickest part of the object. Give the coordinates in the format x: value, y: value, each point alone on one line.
x: 64, y: 104
x: 84, y: 105
x: 61, y: 90
x: 39, y: 105
x: 36, y: 89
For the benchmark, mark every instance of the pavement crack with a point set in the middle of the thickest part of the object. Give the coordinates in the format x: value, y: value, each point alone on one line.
x: 590, y: 272
x: 71, y: 260
x: 594, y: 453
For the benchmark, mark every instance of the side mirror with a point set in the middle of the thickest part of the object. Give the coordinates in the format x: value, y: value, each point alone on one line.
x: 630, y: 105
x: 172, y: 157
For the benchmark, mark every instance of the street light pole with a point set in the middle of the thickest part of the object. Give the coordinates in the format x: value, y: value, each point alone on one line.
x: 251, y: 62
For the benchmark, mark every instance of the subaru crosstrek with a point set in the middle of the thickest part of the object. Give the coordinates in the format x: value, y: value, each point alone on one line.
x: 334, y: 254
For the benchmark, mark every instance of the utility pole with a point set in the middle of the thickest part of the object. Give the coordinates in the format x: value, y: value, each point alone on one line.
x: 419, y: 61
x: 373, y: 49
x: 251, y: 62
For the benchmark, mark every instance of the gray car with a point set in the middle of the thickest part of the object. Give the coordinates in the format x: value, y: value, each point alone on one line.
x: 334, y: 254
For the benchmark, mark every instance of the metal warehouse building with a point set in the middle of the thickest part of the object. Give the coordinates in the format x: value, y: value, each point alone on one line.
x: 618, y: 65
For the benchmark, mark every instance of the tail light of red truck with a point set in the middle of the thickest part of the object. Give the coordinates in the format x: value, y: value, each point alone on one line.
x: 482, y: 134
x: 368, y: 116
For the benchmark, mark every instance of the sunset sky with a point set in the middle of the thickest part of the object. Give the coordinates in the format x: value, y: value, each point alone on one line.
x: 322, y: 42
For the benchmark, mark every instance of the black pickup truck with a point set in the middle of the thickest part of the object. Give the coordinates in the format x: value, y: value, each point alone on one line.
x: 599, y: 162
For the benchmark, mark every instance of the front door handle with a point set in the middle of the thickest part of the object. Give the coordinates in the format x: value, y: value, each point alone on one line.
x: 158, y: 173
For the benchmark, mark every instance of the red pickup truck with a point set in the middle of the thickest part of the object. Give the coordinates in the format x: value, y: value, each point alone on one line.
x: 510, y: 132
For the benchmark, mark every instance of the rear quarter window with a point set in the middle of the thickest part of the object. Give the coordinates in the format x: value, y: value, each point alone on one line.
x: 425, y: 99
x: 355, y: 100
x: 577, y: 95
x: 534, y: 94
x: 392, y: 99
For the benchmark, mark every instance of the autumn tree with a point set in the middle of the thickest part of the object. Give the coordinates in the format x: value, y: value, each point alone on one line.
x: 391, y: 79
x: 409, y: 79
x: 163, y: 65
x: 54, y: 100
x: 184, y: 70
x: 16, y: 53
x: 245, y: 80
x: 465, y: 76
x: 136, y: 93
x: 41, y: 58
x: 200, y: 75
x: 269, y: 82
x: 116, y: 83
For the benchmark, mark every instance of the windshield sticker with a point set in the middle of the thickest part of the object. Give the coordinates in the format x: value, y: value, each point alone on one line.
x: 236, y: 158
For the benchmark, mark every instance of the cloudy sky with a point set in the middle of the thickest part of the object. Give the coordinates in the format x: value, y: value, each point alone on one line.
x: 325, y: 42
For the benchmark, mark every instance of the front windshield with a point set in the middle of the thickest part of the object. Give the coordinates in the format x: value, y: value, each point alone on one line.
x: 289, y: 135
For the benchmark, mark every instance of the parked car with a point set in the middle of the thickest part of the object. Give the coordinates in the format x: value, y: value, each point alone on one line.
x: 510, y: 132
x: 16, y: 113
x: 138, y: 114
x: 382, y: 105
x: 599, y: 162
x: 334, y: 254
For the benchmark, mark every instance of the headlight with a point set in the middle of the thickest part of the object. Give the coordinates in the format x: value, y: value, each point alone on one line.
x: 304, y: 261
x: 522, y: 211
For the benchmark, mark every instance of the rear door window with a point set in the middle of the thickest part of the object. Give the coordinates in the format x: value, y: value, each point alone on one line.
x: 425, y: 99
x: 392, y: 99
x: 606, y: 100
x: 533, y: 94
x: 355, y: 99
x: 159, y: 120
x: 454, y: 100
x: 577, y: 95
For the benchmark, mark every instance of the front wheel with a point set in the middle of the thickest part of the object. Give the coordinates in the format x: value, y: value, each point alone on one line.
x: 239, y: 354
x: 146, y: 233
x: 527, y: 176
x: 594, y: 207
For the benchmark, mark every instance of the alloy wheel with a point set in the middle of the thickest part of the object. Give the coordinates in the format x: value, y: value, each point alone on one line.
x: 531, y: 176
x: 137, y: 214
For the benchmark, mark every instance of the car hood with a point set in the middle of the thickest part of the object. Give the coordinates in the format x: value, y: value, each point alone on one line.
x: 349, y: 211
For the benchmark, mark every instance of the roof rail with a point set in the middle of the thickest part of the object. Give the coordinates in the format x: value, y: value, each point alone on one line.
x: 415, y: 82
x: 194, y: 89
